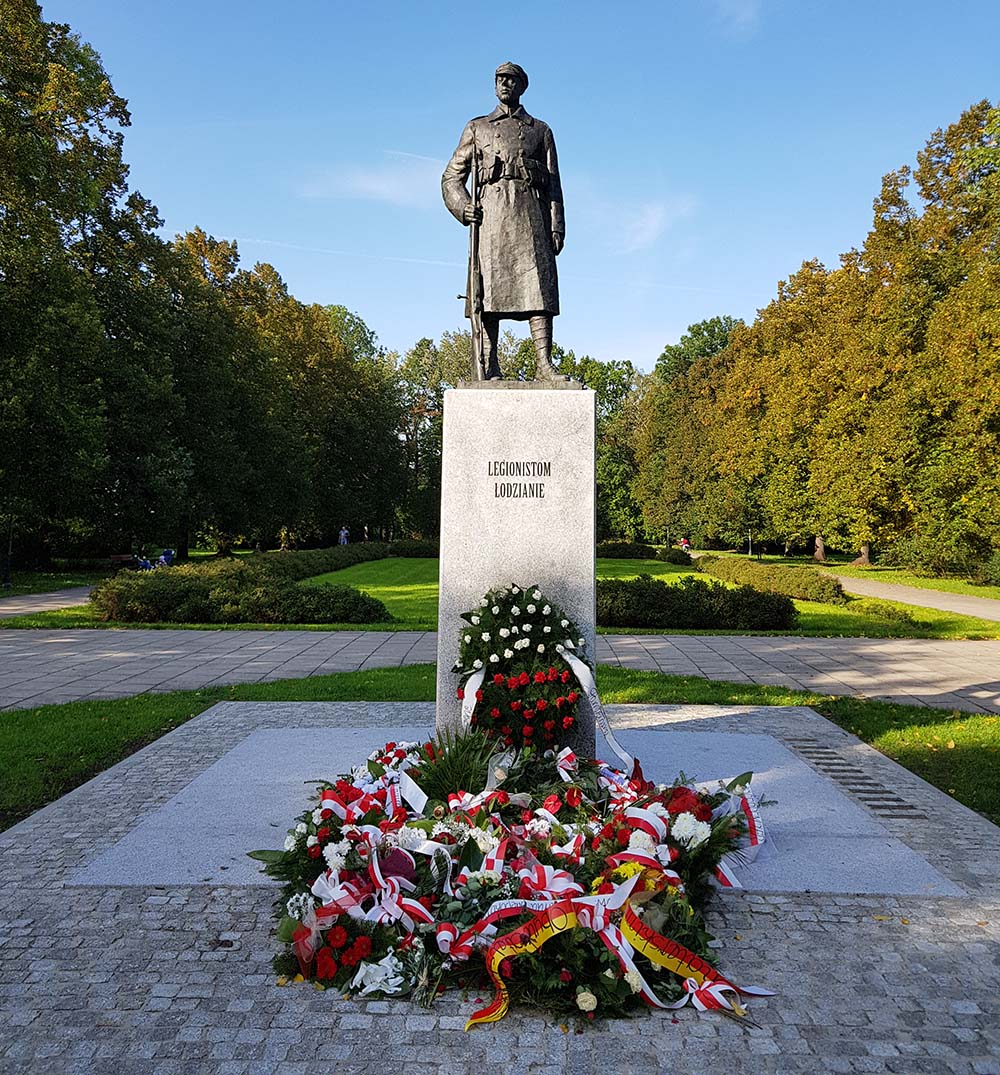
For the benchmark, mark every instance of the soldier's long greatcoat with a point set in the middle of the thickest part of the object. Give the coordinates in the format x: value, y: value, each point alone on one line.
x: 522, y: 205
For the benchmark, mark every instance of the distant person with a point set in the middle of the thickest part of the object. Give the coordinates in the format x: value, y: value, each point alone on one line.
x: 685, y: 545
x: 344, y: 535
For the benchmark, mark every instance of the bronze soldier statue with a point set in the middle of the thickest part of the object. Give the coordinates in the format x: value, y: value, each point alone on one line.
x: 518, y: 215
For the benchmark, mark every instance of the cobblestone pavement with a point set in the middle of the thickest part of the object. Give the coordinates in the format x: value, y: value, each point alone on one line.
x: 986, y: 608
x: 40, y: 667
x: 176, y: 980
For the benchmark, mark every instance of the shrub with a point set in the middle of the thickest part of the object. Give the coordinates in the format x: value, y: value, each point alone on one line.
x: 625, y: 550
x: 672, y: 555
x: 414, y: 547
x: 252, y: 590
x: 882, y: 610
x: 691, y: 603
x: 805, y: 583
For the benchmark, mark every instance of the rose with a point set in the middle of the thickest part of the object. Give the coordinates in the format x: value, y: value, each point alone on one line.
x: 586, y: 1001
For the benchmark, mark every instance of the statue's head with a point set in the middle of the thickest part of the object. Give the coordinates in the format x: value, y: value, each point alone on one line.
x: 512, y: 81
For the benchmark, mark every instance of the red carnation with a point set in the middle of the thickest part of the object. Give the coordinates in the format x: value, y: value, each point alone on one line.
x: 498, y: 678
x: 479, y: 696
x: 524, y: 679
x: 515, y: 706
x: 337, y: 937
x: 572, y: 697
x: 604, y: 888
x: 326, y: 814
x: 512, y: 683
x: 539, y: 677
x: 315, y: 851
x: 459, y: 694
x: 552, y: 675
x: 494, y: 712
x: 326, y: 965
x: 323, y: 834
x: 541, y: 704
x: 527, y: 731
x: 568, y: 722
x: 564, y: 678
x: 623, y: 836
x: 549, y: 725
x: 560, y: 702
x: 505, y: 729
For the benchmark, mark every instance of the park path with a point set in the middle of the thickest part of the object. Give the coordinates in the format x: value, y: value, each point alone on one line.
x: 986, y: 608
x: 43, y: 666
x: 25, y: 604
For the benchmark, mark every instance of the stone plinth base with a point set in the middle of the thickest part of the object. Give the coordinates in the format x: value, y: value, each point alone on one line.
x: 518, y: 504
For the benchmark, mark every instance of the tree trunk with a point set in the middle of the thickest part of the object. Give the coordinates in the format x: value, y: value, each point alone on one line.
x: 820, y: 553
x: 184, y: 537
x: 864, y: 558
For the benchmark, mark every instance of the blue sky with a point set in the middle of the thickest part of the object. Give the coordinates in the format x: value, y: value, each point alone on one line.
x: 707, y: 147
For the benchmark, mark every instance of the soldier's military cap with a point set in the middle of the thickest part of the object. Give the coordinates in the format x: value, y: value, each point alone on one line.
x: 513, y: 69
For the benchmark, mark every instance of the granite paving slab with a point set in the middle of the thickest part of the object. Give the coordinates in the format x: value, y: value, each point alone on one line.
x: 175, y: 979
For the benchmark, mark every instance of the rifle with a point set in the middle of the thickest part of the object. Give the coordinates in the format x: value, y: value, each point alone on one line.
x: 476, y: 277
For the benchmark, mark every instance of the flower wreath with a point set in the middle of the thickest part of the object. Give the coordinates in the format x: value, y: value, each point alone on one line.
x: 518, y: 685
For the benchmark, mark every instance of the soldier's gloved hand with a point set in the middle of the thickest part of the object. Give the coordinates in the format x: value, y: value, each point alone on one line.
x: 471, y: 214
x: 557, y: 242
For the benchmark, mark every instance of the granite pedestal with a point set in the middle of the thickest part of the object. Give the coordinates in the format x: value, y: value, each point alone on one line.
x: 518, y: 504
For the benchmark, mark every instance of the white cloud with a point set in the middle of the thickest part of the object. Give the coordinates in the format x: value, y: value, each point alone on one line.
x: 404, y: 179
x: 738, y: 15
x: 640, y: 226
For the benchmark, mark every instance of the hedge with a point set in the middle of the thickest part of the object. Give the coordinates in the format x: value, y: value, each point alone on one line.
x: 672, y: 555
x: 882, y: 610
x: 691, y: 603
x: 258, y: 589
x: 805, y: 583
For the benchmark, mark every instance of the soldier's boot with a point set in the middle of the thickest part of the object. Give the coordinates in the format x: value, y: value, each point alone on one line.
x: 541, y: 334
x: 491, y: 325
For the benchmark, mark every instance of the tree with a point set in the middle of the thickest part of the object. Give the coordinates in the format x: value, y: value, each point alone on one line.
x: 702, y: 340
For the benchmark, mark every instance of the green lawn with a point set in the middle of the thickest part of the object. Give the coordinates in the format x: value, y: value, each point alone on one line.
x: 26, y: 582
x: 47, y: 751
x: 408, y: 586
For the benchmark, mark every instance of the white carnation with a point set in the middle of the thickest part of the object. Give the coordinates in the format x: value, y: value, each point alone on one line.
x: 541, y: 648
x: 508, y: 653
x: 581, y: 641
x: 475, y: 621
x: 504, y: 633
x: 468, y: 638
x: 495, y: 610
x: 300, y: 828
x: 564, y: 623
x: 526, y: 627
x: 290, y: 842
x: 477, y: 663
x: 483, y: 603
x: 537, y: 595
x: 485, y: 636
x: 538, y: 828
x: 494, y: 658
x: 688, y: 831
x: 513, y: 629
x: 546, y: 630
x: 514, y: 589
x: 514, y: 610
x: 546, y: 610
x: 317, y: 817
x: 311, y: 841
x: 531, y: 610
x: 641, y: 841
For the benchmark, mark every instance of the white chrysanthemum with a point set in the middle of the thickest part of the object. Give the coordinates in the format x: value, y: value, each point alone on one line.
x: 300, y: 828
x: 477, y: 663
x: 298, y: 905
x: 641, y: 841
x: 688, y: 831
x: 508, y: 653
x: 541, y: 647
x: 586, y: 1001
x: 290, y: 842
x: 335, y: 854
x: 504, y: 633
x: 485, y: 636
x: 311, y: 841
x: 634, y: 980
x: 546, y: 610
x: 494, y: 658
x: 514, y: 610
x: 531, y: 610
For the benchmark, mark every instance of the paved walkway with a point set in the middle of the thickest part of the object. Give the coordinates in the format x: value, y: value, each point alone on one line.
x: 24, y: 604
x: 986, y: 608
x: 175, y: 979
x: 39, y: 667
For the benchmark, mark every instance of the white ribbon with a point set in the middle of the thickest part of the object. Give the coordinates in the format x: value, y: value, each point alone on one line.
x: 472, y: 685
x: 586, y: 680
